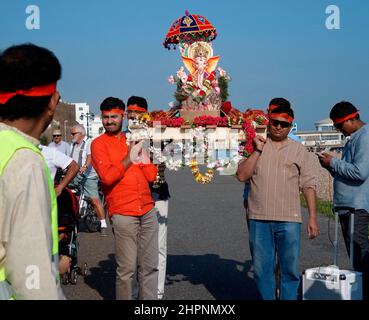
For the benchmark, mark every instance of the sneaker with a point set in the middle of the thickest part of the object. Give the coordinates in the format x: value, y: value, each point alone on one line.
x: 104, y: 232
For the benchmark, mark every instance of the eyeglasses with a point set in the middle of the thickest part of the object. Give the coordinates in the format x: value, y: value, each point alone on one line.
x: 74, y: 133
x: 283, y: 124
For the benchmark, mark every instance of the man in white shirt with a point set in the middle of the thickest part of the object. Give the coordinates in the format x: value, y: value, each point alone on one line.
x: 58, y: 143
x: 57, y: 160
x: 87, y: 177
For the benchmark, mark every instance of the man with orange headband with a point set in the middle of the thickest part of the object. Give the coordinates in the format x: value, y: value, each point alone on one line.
x: 125, y: 184
x: 136, y: 106
x: 351, y: 183
x: 278, y: 169
x: 28, y: 212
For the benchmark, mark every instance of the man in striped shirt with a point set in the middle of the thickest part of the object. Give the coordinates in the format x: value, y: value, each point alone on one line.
x: 278, y: 170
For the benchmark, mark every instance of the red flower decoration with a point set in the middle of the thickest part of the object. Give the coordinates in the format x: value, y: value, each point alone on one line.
x: 227, y: 106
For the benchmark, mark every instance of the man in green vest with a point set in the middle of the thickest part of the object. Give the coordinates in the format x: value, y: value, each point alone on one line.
x: 28, y: 215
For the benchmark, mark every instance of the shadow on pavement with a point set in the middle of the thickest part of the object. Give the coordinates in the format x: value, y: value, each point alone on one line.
x: 102, y: 278
x: 224, y: 279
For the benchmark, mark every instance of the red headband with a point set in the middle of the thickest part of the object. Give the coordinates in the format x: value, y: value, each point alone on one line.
x: 39, y: 91
x: 285, y: 116
x: 135, y: 107
x: 115, y: 111
x: 272, y: 107
x: 343, y: 119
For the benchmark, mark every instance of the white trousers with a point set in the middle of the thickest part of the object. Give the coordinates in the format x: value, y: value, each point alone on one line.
x: 162, y: 207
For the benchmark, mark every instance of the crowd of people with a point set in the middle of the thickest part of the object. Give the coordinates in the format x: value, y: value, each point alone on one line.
x: 137, y: 193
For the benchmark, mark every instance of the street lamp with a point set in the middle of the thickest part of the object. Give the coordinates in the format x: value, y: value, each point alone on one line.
x: 89, y: 116
x: 65, y: 130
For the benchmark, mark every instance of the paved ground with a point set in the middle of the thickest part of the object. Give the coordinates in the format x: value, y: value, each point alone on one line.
x: 208, y: 254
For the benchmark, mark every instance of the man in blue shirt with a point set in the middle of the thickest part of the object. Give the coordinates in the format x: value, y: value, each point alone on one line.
x: 351, y: 183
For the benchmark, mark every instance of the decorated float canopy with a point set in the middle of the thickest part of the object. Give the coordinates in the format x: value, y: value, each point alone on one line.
x: 188, y: 29
x: 202, y: 127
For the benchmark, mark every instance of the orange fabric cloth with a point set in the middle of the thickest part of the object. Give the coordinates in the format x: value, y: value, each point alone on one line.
x: 135, y: 107
x: 126, y: 191
x: 285, y: 116
x: 348, y: 117
x: 40, y: 91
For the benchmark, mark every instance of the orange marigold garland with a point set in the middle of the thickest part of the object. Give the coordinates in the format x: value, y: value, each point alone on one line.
x: 200, y: 178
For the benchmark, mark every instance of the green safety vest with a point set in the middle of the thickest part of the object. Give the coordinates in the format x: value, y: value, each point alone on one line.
x: 10, y: 142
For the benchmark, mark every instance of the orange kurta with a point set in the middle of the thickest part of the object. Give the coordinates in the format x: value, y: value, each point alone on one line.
x: 126, y: 191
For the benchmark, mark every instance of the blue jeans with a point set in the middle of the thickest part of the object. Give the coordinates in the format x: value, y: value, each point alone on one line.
x: 268, y: 239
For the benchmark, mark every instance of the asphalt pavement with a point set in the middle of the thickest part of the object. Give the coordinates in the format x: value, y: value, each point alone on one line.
x: 208, y: 252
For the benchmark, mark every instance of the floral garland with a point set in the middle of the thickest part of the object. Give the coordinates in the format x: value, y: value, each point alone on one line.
x: 199, y: 177
x: 252, y: 119
x: 178, y: 155
x: 247, y: 148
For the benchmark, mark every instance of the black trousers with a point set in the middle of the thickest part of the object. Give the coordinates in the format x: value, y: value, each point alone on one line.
x: 361, y: 244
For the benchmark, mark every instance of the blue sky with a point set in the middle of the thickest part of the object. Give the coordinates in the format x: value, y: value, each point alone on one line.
x: 270, y: 48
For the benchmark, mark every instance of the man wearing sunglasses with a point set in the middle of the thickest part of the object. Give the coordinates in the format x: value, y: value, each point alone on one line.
x: 278, y: 169
x: 58, y: 143
x: 351, y: 183
x: 87, y: 176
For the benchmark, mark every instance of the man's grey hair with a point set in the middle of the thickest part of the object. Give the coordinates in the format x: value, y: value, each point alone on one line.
x: 80, y: 128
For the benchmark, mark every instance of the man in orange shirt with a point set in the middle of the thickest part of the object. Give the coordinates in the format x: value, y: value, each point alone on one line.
x: 125, y: 184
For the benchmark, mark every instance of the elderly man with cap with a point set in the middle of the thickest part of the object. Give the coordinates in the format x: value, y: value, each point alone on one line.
x: 351, y: 183
x: 58, y: 143
x: 278, y: 169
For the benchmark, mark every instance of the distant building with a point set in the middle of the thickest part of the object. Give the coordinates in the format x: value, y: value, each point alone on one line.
x: 92, y: 123
x: 325, y: 125
x: 96, y: 127
x: 64, y: 119
x: 325, y: 136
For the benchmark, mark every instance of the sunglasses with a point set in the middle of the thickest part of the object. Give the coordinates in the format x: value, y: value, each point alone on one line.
x: 74, y: 133
x: 283, y: 124
x: 57, y: 135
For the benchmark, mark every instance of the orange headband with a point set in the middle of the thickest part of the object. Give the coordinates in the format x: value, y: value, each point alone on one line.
x: 285, y: 116
x: 272, y: 107
x: 39, y: 91
x: 115, y: 111
x: 343, y: 119
x: 135, y: 107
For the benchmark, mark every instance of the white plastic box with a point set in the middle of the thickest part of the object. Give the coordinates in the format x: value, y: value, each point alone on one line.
x: 331, y: 283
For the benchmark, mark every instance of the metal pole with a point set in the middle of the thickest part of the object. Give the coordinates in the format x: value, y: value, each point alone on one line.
x: 335, y: 243
x: 88, y: 129
x: 352, y: 221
